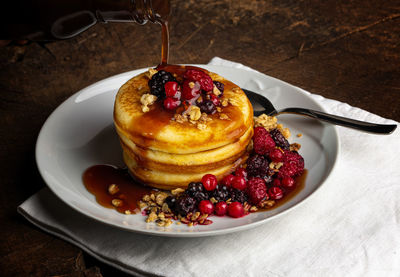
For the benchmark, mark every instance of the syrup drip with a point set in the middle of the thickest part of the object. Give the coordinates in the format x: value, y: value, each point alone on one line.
x: 98, y: 178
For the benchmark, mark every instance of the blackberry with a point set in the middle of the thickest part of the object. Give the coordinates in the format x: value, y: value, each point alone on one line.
x: 279, y: 139
x: 157, y: 82
x: 171, y: 201
x: 220, y: 193
x: 196, y: 190
x: 207, y: 107
x: 200, y: 195
x: 185, y: 204
x: 257, y: 166
x: 220, y: 86
x: 237, y: 195
x: 194, y: 187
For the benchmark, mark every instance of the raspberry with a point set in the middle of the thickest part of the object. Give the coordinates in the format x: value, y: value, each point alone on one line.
x: 221, y: 208
x: 206, y: 207
x: 205, y: 81
x: 190, y: 90
x: 279, y: 139
x: 157, y: 82
x: 256, y: 190
x: 209, y: 182
x: 257, y: 166
x: 263, y: 143
x: 235, y: 209
x: 260, y: 131
x: 293, y: 165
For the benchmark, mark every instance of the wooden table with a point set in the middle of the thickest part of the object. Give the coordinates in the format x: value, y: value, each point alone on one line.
x: 345, y: 50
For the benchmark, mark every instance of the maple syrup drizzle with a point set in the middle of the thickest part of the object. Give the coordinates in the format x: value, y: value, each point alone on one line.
x: 98, y: 178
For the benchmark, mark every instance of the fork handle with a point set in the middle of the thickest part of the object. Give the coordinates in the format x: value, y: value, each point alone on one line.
x: 343, y: 121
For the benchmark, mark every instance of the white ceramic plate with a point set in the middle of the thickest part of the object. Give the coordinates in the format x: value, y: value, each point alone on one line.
x: 80, y: 133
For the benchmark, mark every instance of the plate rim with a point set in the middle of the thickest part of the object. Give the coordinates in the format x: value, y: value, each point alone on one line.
x: 175, y: 233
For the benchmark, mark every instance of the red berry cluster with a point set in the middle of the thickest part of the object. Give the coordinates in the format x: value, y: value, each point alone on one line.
x: 195, y: 83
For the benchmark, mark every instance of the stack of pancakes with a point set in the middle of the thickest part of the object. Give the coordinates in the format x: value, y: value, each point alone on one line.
x: 164, y: 153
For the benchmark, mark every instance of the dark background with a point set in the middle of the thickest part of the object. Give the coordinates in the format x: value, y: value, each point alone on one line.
x: 345, y: 50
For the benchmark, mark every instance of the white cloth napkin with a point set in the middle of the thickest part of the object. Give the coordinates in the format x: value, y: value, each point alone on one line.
x: 350, y: 228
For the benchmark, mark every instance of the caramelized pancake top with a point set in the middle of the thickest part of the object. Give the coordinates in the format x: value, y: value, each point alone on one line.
x: 158, y: 130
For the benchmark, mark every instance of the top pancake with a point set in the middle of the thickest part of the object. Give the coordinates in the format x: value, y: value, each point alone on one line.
x: 157, y: 130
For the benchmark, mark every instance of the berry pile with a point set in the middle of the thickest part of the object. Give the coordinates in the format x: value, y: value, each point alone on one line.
x: 196, y: 88
x: 267, y: 176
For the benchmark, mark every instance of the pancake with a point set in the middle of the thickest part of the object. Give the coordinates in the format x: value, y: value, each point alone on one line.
x: 155, y: 130
x: 162, y: 151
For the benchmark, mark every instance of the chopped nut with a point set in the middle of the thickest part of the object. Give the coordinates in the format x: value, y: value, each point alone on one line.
x: 185, y: 220
x: 180, y: 118
x: 223, y: 116
x: 145, y: 109
x: 195, y: 216
x: 268, y: 122
x: 146, y: 198
x: 161, y: 223
x: 146, y: 100
x: 177, y: 191
x: 274, y: 165
x: 285, y: 131
x: 295, y: 147
x: 152, y: 217
x: 165, y: 208
x: 194, y: 113
x: 152, y: 197
x: 191, y: 84
x: 299, y: 135
x: 113, y: 189
x: 117, y: 202
x: 253, y: 209
x: 190, y: 224
x: 142, y: 205
x: 161, y: 216
x: 160, y: 198
x: 152, y: 71
x: 167, y: 222
x: 202, y: 218
x: 219, y: 109
x: 128, y: 212
x: 216, y: 91
x: 201, y: 126
x: 206, y: 222
x: 213, y: 200
x: 224, y: 102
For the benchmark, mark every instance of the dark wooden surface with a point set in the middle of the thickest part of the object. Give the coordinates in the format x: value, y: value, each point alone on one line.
x: 345, y: 50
